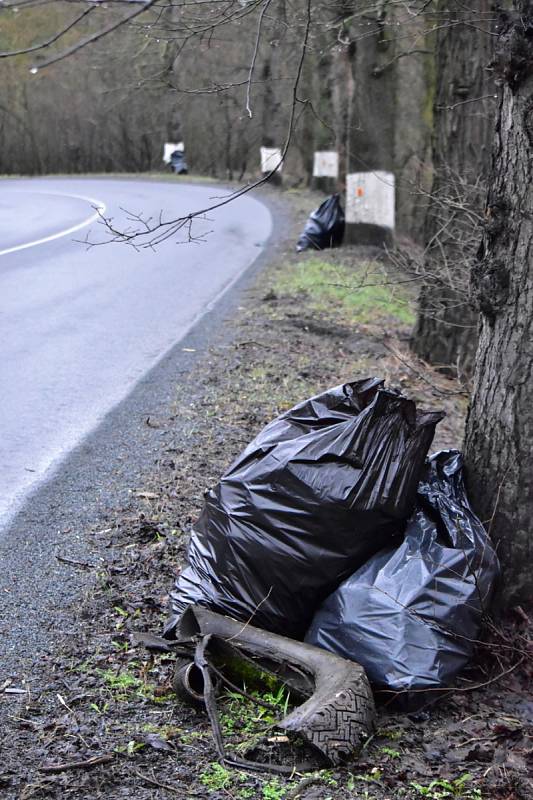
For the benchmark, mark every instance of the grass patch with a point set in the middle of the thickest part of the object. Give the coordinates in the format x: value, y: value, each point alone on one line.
x: 154, y: 175
x: 217, y: 778
x: 442, y: 789
x: 364, y: 293
x: 122, y: 683
x: 125, y: 686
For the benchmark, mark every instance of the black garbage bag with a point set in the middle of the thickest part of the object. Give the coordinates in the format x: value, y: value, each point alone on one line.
x: 321, y: 489
x: 411, y: 614
x: 178, y: 163
x: 324, y: 227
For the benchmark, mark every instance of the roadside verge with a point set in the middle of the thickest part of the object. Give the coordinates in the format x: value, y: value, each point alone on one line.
x: 296, y: 326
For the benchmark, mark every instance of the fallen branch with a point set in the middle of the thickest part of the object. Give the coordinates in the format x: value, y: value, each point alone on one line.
x: 304, y: 784
x: 252, y: 342
x: 85, y: 764
x: 74, y: 563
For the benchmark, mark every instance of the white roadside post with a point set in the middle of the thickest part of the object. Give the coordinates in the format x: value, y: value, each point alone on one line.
x: 169, y: 148
x: 271, y: 159
x: 325, y: 171
x: 370, y: 208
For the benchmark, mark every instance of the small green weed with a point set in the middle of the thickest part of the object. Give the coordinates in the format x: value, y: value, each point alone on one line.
x: 191, y: 736
x: 241, y: 716
x: 442, y: 789
x: 326, y: 776
x: 216, y: 777
x: 122, y: 647
x: 273, y: 790
x: 389, y: 733
x: 99, y: 709
x: 246, y: 793
x: 389, y: 751
x: 121, y: 682
x: 368, y: 777
x: 131, y: 748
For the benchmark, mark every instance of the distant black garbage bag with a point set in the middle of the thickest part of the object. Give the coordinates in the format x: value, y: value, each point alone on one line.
x: 324, y: 227
x: 178, y: 163
x: 321, y: 489
x: 410, y: 615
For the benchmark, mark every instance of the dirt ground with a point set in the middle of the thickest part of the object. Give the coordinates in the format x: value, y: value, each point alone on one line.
x: 99, y: 720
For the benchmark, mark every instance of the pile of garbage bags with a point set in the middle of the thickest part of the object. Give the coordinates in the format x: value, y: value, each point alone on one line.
x: 332, y: 526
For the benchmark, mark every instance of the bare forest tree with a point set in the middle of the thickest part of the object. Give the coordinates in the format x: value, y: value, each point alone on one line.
x: 446, y: 330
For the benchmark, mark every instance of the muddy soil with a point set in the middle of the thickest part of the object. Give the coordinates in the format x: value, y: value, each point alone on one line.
x: 99, y: 719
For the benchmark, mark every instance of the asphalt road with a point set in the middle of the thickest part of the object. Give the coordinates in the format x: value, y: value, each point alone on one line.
x: 80, y: 326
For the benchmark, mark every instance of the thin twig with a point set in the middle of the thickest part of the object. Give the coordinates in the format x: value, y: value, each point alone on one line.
x: 442, y: 392
x: 248, y: 621
x: 85, y: 764
x: 95, y: 37
x: 74, y: 563
x: 51, y: 40
x: 254, y: 58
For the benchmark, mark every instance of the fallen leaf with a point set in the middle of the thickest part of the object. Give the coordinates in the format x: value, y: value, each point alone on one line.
x: 158, y: 743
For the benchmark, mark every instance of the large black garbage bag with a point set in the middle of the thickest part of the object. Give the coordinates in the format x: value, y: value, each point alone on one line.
x: 411, y: 614
x: 324, y: 227
x: 321, y: 489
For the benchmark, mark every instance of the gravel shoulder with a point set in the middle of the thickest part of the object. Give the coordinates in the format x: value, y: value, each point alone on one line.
x: 93, y: 557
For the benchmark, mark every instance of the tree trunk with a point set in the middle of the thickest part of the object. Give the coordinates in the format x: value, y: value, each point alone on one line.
x: 446, y: 330
x: 499, y: 435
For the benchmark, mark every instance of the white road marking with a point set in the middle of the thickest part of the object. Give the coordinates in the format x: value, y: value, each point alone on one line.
x: 98, y: 205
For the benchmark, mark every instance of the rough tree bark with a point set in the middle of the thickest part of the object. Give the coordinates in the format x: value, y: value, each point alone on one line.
x: 363, y: 93
x: 499, y: 435
x: 446, y: 329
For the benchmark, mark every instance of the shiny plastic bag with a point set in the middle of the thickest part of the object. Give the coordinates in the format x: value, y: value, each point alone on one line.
x: 410, y: 616
x: 324, y: 227
x: 320, y: 490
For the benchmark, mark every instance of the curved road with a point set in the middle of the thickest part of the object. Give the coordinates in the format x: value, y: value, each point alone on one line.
x: 79, y: 326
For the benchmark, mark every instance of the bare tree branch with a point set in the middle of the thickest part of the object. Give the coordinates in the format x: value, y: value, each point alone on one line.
x: 254, y: 57
x: 95, y: 37
x: 51, y: 40
x: 160, y: 231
